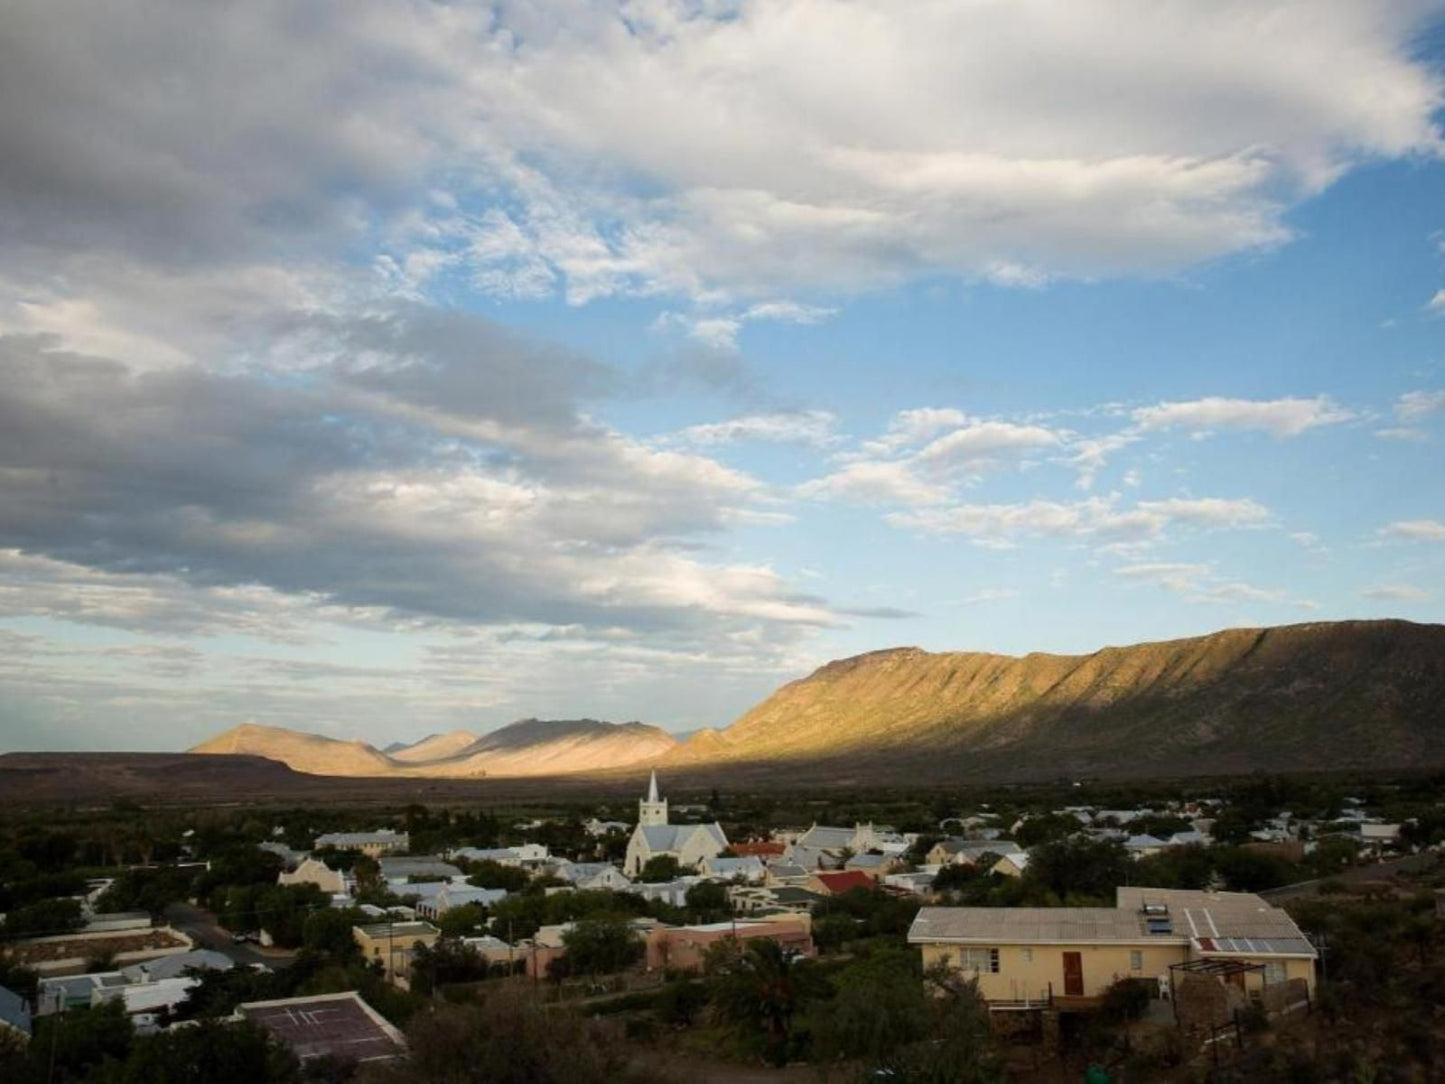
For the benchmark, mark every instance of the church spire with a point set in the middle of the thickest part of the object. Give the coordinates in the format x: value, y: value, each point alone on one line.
x: 652, y: 788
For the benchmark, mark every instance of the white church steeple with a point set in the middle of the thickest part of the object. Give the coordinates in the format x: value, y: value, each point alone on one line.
x: 652, y: 809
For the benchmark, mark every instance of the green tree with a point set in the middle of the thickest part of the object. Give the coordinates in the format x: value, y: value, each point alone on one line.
x: 602, y: 945
x: 707, y: 901
x: 1077, y: 866
x: 489, y: 874
x: 214, y: 1052
x: 659, y: 869
x: 879, y: 1007
x: 761, y: 989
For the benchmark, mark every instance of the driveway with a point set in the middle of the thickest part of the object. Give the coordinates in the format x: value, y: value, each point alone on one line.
x: 200, y: 926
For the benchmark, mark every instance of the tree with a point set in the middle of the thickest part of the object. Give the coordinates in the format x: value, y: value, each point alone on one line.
x: 963, y: 1051
x: 1077, y: 866
x: 444, y: 962
x: 879, y: 1007
x: 489, y: 874
x: 329, y: 930
x: 659, y: 869
x: 79, y: 1041
x: 600, y: 946
x: 761, y: 989
x: 707, y: 901
x: 507, y: 1039
x: 215, y: 1052
x: 46, y: 917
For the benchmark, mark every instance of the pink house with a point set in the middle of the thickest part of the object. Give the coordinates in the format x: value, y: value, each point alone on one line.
x: 684, y: 947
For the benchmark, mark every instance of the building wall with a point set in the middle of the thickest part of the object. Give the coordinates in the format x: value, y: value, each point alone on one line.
x: 1028, y: 971
x: 684, y: 949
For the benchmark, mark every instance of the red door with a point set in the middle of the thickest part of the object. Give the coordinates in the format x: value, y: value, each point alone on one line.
x: 1073, y: 974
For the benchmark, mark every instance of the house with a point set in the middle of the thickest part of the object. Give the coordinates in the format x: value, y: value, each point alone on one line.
x: 523, y: 854
x: 400, y: 871
x: 654, y: 837
x: 341, y: 1026
x: 289, y: 858
x: 492, y: 949
x: 967, y: 852
x: 452, y: 895
x: 372, y: 844
x: 917, y: 884
x: 1377, y: 836
x: 597, y: 828
x: 173, y: 967
x: 785, y: 873
x: 728, y: 868
x: 874, y: 865
x: 393, y: 944
x: 1031, y: 956
x: 760, y: 848
x: 836, y: 882
x: 683, y: 948
x: 1012, y: 864
x: 1141, y: 846
x: 669, y: 892
x: 592, y: 875
x: 314, y: 871
x: 15, y: 1015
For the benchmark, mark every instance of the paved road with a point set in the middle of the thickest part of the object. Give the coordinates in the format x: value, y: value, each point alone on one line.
x: 200, y: 925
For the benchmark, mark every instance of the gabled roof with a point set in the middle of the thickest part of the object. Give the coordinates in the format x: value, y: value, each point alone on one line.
x: 171, y: 967
x: 843, y: 880
x: 1025, y: 925
x: 824, y: 837
x: 673, y: 837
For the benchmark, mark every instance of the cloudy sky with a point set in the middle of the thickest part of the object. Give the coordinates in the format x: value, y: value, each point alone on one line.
x: 377, y: 367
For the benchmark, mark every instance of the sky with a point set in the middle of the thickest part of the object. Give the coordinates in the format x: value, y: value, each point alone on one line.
x: 381, y: 367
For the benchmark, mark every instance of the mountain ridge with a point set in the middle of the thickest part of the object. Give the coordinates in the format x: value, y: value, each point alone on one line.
x: 1312, y: 696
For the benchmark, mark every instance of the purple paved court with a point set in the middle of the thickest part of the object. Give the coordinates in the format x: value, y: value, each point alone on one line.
x: 314, y: 1027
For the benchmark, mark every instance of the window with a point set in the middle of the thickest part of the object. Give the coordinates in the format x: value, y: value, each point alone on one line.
x: 1274, y: 971
x: 1027, y: 954
x: 1136, y: 960
x: 980, y: 960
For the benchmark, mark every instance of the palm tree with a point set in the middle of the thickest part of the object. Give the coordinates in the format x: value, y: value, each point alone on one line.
x: 762, y: 987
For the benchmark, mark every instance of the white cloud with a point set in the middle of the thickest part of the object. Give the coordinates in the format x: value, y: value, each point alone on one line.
x: 1415, y: 530
x: 1004, y: 524
x: 1415, y: 405
x: 720, y: 330
x: 1210, y: 511
x: 1436, y: 304
x: 874, y: 482
x: 910, y: 428
x: 1181, y: 577
x: 985, y: 440
x: 988, y: 594
x: 1396, y: 592
x: 1278, y: 417
x: 1405, y: 433
x: 812, y: 427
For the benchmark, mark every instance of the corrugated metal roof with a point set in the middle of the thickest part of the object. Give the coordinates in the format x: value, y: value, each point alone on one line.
x: 1022, y: 925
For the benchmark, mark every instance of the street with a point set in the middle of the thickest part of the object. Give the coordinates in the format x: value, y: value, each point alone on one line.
x: 200, y: 925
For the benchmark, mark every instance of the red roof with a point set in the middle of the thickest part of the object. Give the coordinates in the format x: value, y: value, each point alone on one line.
x: 843, y: 880
x: 760, y: 847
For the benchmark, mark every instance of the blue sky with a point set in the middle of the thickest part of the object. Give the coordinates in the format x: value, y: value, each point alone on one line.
x: 625, y: 361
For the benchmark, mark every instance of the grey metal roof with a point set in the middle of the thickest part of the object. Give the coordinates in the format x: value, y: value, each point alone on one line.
x: 14, y: 1011
x: 170, y: 967
x: 1023, y: 925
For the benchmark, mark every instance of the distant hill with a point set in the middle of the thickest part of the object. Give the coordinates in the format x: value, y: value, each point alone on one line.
x: 309, y: 753
x: 554, y: 747
x: 526, y: 748
x: 432, y: 747
x: 1315, y: 696
x: 1322, y: 696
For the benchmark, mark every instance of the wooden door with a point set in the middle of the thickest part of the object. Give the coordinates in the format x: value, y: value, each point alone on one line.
x: 1073, y: 974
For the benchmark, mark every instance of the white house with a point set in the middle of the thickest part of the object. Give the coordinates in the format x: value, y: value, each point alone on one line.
x: 313, y: 871
x: 749, y: 868
x: 592, y: 875
x: 451, y: 896
x: 654, y: 837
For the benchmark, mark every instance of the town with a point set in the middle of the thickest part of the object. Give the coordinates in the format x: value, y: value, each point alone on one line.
x: 1019, y: 934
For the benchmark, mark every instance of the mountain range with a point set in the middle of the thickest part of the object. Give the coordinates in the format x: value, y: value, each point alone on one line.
x: 1320, y: 696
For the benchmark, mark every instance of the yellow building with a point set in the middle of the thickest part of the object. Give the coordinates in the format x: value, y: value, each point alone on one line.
x: 392, y: 944
x: 1072, y: 955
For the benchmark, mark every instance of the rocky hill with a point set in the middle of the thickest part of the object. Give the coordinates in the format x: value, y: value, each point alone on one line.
x: 1315, y: 696
x: 300, y: 752
x: 432, y: 747
x: 554, y: 747
x: 531, y: 747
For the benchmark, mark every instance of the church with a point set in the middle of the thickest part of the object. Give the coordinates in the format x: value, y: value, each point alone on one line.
x: 689, y: 844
